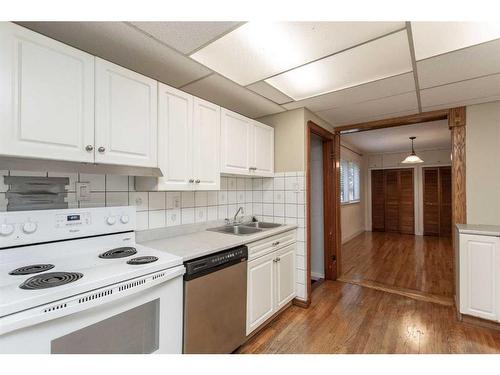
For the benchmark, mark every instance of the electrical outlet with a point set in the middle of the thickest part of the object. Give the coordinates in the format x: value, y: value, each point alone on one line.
x: 83, y: 191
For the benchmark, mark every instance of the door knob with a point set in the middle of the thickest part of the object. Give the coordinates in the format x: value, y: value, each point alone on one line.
x: 89, y: 148
x: 101, y: 149
x: 191, y: 180
x: 198, y: 181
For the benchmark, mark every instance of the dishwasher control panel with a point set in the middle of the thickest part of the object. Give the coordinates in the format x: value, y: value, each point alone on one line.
x: 211, y: 263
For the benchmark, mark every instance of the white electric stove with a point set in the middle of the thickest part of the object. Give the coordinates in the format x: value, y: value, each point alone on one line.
x: 75, y: 281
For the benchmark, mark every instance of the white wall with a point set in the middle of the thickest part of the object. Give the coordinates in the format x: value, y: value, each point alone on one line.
x: 482, y: 158
x: 352, y: 215
x: 317, y: 227
x: 431, y: 158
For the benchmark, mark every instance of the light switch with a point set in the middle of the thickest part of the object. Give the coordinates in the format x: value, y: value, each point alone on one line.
x: 83, y: 191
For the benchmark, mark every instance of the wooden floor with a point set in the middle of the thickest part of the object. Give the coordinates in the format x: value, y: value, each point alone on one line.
x: 420, y: 263
x: 347, y: 318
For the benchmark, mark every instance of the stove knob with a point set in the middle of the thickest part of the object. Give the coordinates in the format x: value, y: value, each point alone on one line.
x: 6, y: 229
x: 124, y: 219
x: 29, y: 227
x: 111, y: 220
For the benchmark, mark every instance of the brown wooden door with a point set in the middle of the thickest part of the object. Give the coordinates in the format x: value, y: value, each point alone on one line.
x: 445, y: 201
x: 378, y: 201
x: 431, y: 201
x: 391, y: 200
x: 406, y: 202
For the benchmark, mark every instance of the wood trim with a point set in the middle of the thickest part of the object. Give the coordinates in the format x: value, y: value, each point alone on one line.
x: 328, y: 199
x: 441, y: 114
x: 472, y: 320
x: 301, y: 303
x: 410, y: 293
x: 456, y: 117
x: 336, y: 206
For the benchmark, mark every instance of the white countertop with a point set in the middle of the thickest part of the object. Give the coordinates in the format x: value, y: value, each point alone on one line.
x: 483, y: 230
x: 198, y: 244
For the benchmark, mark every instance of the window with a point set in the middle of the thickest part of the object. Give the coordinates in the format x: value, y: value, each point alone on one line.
x: 349, y: 182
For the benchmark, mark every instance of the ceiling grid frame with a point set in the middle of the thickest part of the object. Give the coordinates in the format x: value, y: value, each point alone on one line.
x: 414, y: 64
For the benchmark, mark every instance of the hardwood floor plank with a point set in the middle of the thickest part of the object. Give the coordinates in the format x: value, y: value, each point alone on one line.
x: 346, y: 318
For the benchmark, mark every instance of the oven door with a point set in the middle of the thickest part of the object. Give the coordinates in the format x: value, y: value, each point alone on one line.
x: 147, y: 321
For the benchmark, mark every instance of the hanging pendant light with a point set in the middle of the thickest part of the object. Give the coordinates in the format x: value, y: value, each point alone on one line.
x: 412, y: 158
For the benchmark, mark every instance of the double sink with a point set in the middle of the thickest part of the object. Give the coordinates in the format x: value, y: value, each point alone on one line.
x: 242, y: 229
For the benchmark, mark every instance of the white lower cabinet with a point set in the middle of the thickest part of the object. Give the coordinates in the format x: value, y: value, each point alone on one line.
x: 479, y: 274
x: 270, y: 285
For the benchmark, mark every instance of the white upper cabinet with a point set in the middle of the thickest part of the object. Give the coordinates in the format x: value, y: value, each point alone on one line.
x: 125, y: 116
x: 206, y: 145
x: 247, y: 146
x: 236, y: 133
x: 188, y: 143
x: 262, y: 152
x: 47, y: 97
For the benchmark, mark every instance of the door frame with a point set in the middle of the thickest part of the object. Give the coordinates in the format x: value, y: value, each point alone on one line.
x: 456, y: 123
x: 330, y: 217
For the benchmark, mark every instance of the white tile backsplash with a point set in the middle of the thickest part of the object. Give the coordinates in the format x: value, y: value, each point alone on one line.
x: 97, y: 181
x: 200, y: 199
x: 173, y: 200
x: 156, y: 219
x: 3, y: 186
x: 173, y: 217
x: 187, y: 199
x: 116, y: 183
x: 139, y: 199
x: 114, y: 198
x: 156, y: 200
x: 187, y: 215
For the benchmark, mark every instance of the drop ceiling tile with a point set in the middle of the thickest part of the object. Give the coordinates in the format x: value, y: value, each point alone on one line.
x: 435, y: 38
x: 391, y: 86
x: 372, y: 110
x: 228, y: 94
x: 125, y: 46
x: 462, y: 93
x: 460, y: 65
x: 186, y: 36
x: 382, y: 58
x: 270, y: 92
x: 268, y: 48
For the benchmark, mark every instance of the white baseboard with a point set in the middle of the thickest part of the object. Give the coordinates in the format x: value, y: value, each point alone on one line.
x: 352, y: 236
x: 316, y: 275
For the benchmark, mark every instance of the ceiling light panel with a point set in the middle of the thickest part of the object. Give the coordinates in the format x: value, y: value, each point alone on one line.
x: 399, y: 84
x: 257, y: 50
x: 467, y: 63
x: 381, y: 58
x: 228, y: 94
x: 435, y: 38
x: 185, y: 37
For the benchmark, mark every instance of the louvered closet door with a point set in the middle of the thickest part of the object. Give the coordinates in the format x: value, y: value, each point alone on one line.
x: 378, y: 201
x: 406, y: 202
x: 445, y: 201
x: 431, y: 201
x: 391, y: 200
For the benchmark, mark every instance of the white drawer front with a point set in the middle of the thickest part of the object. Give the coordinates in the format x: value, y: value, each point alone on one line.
x: 270, y: 244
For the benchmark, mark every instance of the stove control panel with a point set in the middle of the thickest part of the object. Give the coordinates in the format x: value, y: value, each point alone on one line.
x: 26, y: 227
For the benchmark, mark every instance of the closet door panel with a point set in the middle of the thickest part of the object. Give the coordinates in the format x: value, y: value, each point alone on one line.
x: 378, y: 200
x: 406, y: 202
x: 391, y: 200
x: 431, y: 201
x: 445, y: 201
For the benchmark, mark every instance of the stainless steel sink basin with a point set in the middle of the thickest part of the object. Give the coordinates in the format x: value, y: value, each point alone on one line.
x: 262, y: 225
x: 239, y: 230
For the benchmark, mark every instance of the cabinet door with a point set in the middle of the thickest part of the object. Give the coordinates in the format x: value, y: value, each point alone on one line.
x: 285, y: 276
x: 126, y: 116
x: 206, y: 141
x: 262, y: 152
x: 47, y: 97
x: 479, y: 276
x: 235, y: 143
x: 260, y: 291
x: 175, y: 132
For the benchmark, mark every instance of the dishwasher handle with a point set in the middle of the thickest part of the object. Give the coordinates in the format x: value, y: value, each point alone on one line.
x: 215, y: 262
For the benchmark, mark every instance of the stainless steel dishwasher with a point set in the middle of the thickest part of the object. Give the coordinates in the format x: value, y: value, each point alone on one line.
x: 215, y: 299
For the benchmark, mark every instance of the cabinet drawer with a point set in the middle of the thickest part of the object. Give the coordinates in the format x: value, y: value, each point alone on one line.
x: 270, y: 244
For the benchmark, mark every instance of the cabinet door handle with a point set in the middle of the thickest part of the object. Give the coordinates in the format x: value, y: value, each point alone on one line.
x: 275, y: 243
x: 191, y: 180
x: 275, y: 260
x: 89, y: 148
x: 198, y: 181
x: 278, y: 259
x: 101, y: 149
x: 253, y: 168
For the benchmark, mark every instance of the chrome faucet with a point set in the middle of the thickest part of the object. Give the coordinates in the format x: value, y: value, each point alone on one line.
x: 236, y: 214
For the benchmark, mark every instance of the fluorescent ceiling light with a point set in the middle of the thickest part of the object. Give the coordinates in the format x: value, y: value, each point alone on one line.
x: 435, y: 38
x: 258, y: 50
x: 381, y: 58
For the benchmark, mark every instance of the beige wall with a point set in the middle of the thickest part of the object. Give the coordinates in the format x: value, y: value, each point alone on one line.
x: 289, y: 146
x: 483, y: 163
x: 352, y: 215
